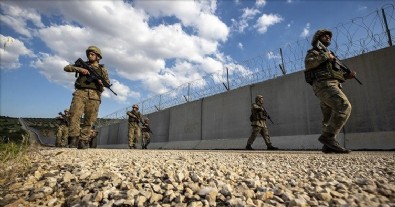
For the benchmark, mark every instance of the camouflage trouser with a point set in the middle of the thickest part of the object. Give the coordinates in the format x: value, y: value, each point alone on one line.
x: 85, y: 102
x: 62, y: 136
x: 335, y: 107
x: 259, y: 130
x: 134, y: 133
x: 146, y: 139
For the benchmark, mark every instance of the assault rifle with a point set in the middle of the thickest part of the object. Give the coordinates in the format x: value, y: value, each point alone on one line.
x: 267, y: 115
x: 338, y: 64
x: 93, y: 75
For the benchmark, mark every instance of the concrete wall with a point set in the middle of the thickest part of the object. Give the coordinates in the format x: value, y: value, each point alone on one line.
x: 221, y: 121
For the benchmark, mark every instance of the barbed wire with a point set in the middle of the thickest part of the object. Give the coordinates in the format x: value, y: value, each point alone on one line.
x: 357, y: 36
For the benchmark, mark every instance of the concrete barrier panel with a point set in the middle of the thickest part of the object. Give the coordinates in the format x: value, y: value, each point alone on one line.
x: 371, y: 140
x: 226, y: 116
x: 186, y: 122
x: 123, y: 129
x: 159, y: 124
x: 103, y: 135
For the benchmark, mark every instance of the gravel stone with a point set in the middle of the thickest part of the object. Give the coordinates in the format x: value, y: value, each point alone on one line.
x: 163, y: 178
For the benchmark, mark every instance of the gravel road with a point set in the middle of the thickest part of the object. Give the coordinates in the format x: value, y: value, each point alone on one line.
x: 121, y: 177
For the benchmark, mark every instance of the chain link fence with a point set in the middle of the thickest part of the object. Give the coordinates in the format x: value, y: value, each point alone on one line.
x: 357, y: 36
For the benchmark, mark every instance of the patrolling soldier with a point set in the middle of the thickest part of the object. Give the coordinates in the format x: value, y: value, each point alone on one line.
x: 324, y: 75
x: 134, y: 128
x: 258, y: 123
x: 63, y: 130
x: 146, y: 130
x: 86, y: 98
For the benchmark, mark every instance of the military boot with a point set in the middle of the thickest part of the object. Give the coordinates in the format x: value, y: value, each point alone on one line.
x: 271, y: 147
x: 329, y: 141
x: 326, y: 149
x: 73, y: 142
x: 83, y: 144
x: 132, y: 147
x: 249, y: 147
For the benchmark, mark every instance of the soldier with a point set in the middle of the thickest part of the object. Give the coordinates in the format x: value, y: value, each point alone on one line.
x: 258, y: 123
x: 63, y: 130
x: 146, y: 130
x: 323, y: 74
x: 134, y: 128
x: 86, y: 98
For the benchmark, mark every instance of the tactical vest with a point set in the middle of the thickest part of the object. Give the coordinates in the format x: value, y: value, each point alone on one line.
x: 325, y: 71
x: 82, y: 81
x: 135, y: 119
x: 257, y: 115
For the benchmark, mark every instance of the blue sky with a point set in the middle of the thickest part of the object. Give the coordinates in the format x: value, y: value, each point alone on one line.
x: 150, y: 47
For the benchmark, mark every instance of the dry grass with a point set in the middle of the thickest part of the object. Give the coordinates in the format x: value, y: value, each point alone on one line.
x: 14, y: 160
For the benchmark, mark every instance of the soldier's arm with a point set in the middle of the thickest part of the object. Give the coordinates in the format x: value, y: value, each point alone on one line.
x: 314, y: 59
x: 255, y: 107
x: 72, y: 68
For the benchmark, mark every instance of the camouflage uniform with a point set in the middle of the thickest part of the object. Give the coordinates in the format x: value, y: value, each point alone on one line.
x: 134, y: 132
x: 258, y: 123
x: 326, y: 81
x: 146, y: 139
x: 94, y: 133
x: 86, y: 101
x: 63, y: 130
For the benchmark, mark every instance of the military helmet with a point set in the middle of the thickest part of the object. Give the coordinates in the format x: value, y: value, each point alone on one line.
x: 66, y: 110
x: 318, y: 34
x: 94, y: 49
x: 258, y: 97
x: 146, y: 119
x: 135, y: 106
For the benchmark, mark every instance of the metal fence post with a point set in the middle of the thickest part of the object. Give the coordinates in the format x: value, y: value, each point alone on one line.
x: 386, y: 28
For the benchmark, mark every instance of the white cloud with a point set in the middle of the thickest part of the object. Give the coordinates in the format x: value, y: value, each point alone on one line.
x: 199, y: 15
x: 272, y: 55
x: 260, y: 3
x: 306, y: 31
x: 10, y: 51
x: 122, y: 90
x: 131, y: 48
x: 17, y: 18
x: 240, y: 45
x: 52, y: 67
x: 248, y: 15
x: 267, y: 20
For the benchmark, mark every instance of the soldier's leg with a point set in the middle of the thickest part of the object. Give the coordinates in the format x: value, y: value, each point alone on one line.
x: 76, y: 109
x: 332, y: 97
x: 90, y: 116
x: 58, y: 137
x: 341, y: 110
x: 147, y: 139
x: 266, y: 137
x: 143, y: 140
x: 65, y: 136
x: 326, y: 114
x: 254, y: 133
x: 137, y: 134
x: 130, y: 135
